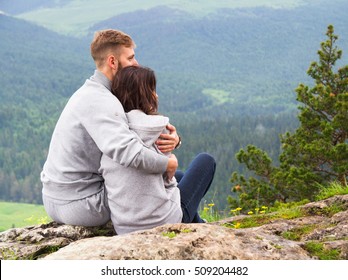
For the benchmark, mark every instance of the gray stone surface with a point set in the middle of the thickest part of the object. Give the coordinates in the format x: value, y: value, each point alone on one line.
x: 325, y: 222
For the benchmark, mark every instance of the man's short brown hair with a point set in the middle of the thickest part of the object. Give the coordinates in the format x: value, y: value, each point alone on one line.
x: 107, y: 42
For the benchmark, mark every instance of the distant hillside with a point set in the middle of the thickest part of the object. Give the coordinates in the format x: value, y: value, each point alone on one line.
x: 14, y: 7
x: 33, y: 58
x: 236, y: 58
x: 79, y: 15
x: 241, y: 59
x: 39, y: 70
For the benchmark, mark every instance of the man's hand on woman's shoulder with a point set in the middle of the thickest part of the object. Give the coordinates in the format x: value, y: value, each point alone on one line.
x: 168, y: 142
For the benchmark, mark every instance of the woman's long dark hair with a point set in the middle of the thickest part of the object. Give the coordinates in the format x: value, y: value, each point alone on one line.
x: 135, y: 88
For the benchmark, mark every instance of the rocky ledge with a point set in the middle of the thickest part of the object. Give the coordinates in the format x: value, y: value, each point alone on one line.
x: 319, y: 232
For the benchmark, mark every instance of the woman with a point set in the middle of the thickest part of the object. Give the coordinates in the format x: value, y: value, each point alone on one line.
x: 138, y: 200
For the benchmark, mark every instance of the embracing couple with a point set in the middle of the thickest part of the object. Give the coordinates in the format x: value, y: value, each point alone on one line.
x: 110, y: 153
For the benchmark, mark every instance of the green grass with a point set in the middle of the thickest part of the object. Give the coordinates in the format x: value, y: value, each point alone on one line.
x: 20, y: 215
x: 261, y: 219
x: 334, y: 188
x: 210, y: 213
x: 219, y: 96
x: 318, y: 249
x: 297, y: 233
x: 169, y: 234
x: 173, y: 234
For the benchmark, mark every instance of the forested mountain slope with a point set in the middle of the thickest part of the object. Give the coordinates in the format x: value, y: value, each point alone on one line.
x: 39, y: 70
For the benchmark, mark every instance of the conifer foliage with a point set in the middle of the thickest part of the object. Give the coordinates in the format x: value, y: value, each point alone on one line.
x: 316, y: 153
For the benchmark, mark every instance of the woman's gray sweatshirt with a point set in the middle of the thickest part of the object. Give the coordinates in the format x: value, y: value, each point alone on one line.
x: 139, y: 200
x: 92, y: 123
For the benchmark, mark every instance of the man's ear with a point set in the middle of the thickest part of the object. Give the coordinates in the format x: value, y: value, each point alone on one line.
x: 112, y: 62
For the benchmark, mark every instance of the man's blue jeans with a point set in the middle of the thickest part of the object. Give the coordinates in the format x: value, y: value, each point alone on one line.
x: 194, y: 184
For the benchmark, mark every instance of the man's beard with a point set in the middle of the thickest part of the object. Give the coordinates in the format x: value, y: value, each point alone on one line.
x: 119, y: 66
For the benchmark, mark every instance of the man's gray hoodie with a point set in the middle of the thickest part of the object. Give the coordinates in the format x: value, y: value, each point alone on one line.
x: 93, y: 122
x: 139, y: 200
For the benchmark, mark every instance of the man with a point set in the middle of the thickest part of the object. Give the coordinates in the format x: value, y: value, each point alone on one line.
x: 93, y: 123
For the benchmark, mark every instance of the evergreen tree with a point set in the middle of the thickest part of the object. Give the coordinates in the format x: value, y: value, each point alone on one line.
x: 317, y: 152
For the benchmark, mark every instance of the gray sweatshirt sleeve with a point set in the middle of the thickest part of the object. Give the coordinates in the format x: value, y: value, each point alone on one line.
x: 106, y: 123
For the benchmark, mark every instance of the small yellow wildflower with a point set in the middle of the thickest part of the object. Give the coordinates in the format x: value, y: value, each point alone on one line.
x: 257, y: 209
x: 238, y: 209
x: 262, y: 212
x: 30, y: 219
x: 237, y: 225
x: 206, y: 208
x: 43, y: 220
x: 250, y: 212
x: 211, y: 204
x: 264, y: 207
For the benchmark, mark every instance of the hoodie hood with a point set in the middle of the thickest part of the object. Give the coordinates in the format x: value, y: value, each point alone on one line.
x: 147, y: 127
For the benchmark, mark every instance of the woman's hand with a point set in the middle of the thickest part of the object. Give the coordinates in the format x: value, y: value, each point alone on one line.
x: 168, y: 142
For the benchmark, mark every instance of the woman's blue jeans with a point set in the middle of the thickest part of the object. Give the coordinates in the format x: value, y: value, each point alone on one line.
x: 194, y: 184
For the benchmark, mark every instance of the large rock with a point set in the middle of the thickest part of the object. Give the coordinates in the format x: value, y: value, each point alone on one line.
x: 36, y: 241
x: 188, y: 242
x: 324, y: 222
